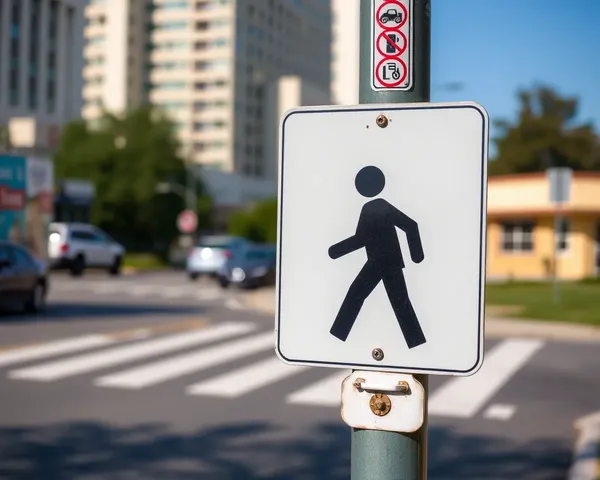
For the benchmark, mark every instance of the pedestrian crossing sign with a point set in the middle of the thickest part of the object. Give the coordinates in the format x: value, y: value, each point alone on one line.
x: 382, y: 219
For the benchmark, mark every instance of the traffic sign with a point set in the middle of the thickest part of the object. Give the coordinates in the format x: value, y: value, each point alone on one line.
x: 391, y: 44
x: 382, y: 218
x: 187, y: 221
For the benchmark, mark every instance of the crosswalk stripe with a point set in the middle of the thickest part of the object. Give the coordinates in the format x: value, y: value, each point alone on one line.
x: 140, y: 290
x: 173, y: 292
x: 246, y: 379
x: 325, y: 393
x: 59, y: 347
x: 95, y: 361
x: 208, y: 295
x: 181, y: 365
x: 106, y: 288
x: 464, y: 396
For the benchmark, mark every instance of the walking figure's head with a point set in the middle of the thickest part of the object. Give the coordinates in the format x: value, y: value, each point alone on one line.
x: 369, y: 181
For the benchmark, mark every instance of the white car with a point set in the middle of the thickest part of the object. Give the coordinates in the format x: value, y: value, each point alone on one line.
x: 76, y: 246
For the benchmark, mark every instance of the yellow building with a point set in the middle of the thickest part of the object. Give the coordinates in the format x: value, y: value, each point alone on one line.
x: 521, y: 228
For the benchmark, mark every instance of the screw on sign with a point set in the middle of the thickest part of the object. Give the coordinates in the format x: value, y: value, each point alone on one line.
x: 392, y: 15
x: 187, y: 221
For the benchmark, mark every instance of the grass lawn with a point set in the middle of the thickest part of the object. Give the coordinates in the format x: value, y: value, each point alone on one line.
x: 143, y: 261
x: 579, y: 302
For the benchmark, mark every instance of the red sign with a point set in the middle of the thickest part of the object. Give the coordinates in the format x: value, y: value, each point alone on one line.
x: 187, y: 221
x: 11, y: 199
x: 391, y: 72
x: 394, y: 17
x: 391, y: 44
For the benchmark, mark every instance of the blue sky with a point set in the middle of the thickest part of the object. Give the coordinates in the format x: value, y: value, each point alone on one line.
x: 495, y: 47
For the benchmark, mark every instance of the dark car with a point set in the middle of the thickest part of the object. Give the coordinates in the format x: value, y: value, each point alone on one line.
x: 252, y: 266
x: 391, y: 15
x: 23, y: 279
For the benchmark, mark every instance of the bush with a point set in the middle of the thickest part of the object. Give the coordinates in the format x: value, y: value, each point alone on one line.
x: 258, y: 224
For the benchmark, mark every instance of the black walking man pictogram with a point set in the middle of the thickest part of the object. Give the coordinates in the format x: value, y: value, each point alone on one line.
x: 376, y: 232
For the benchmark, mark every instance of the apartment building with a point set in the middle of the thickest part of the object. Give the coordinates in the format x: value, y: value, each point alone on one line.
x: 209, y: 64
x: 345, y: 51
x: 41, y: 44
x: 115, y: 55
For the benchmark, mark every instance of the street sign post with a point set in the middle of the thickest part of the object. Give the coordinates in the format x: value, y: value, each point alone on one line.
x: 559, y: 180
x: 187, y: 221
x: 382, y: 237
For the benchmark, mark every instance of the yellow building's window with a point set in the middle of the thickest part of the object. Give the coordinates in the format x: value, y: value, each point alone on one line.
x: 517, y: 236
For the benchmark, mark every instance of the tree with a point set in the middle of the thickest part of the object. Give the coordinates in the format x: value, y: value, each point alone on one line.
x: 258, y: 224
x: 125, y: 158
x: 544, y: 135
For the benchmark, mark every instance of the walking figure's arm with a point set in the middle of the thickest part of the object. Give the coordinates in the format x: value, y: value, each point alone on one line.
x: 411, y: 229
x: 345, y: 247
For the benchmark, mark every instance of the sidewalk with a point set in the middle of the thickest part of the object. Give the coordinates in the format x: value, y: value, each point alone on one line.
x: 496, y: 325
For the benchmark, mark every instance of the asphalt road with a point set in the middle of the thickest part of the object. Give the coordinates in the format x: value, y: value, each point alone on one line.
x: 156, y: 377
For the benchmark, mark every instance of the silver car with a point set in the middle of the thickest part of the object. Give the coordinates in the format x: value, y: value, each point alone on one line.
x: 210, y: 254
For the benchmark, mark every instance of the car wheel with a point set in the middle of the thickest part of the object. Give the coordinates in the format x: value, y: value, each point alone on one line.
x: 384, y: 19
x: 193, y: 276
x: 115, y: 268
x: 397, y: 19
x: 37, y: 300
x: 78, y: 266
x: 223, y: 283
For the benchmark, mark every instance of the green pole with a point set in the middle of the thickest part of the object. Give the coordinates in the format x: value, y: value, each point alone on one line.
x: 380, y: 455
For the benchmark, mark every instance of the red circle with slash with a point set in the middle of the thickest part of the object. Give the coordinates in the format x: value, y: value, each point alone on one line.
x: 394, y: 25
x: 384, y: 37
x: 395, y: 83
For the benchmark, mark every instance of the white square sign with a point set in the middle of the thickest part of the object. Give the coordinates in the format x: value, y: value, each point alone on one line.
x: 381, y: 255
x: 392, y: 44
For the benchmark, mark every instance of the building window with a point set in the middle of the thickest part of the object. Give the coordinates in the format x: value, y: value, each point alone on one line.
x: 15, y: 55
x: 170, y: 85
x: 173, y: 25
x: 33, y: 55
x: 517, y: 236
x: 172, y: 5
x: 562, y: 234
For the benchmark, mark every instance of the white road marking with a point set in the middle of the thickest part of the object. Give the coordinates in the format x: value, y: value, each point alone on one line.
x: 173, y: 292
x: 500, y: 412
x: 106, y: 288
x: 324, y: 393
x: 95, y: 361
x: 246, y: 379
x: 140, y: 290
x: 464, y: 396
x: 208, y: 295
x: 233, y: 304
x: 69, y: 345
x: 185, y: 364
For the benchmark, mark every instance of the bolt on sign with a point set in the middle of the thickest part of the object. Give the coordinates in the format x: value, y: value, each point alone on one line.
x: 391, y: 45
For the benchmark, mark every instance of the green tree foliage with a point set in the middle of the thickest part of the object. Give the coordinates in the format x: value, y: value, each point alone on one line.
x: 545, y: 134
x: 125, y: 158
x: 258, y: 224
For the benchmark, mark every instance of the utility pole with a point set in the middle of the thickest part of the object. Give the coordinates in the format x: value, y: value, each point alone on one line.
x: 377, y: 454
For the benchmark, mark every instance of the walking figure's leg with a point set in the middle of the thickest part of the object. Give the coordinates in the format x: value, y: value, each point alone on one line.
x: 395, y: 286
x: 366, y: 280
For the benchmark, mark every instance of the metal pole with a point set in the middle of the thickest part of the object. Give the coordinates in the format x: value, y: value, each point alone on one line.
x: 557, y: 238
x: 380, y: 455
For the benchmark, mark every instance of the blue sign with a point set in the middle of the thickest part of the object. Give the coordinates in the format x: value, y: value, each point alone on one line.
x: 13, y: 188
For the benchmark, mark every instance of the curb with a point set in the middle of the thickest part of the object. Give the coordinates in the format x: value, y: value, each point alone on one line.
x: 586, y: 455
x: 495, y: 326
